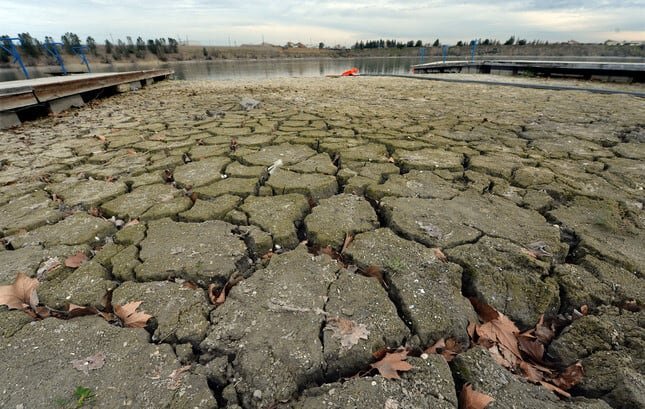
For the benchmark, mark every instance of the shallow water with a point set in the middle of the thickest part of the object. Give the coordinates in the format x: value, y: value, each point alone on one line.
x: 240, y: 69
x: 258, y: 69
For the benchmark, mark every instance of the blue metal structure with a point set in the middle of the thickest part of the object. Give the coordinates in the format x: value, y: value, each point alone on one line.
x: 473, y: 49
x: 444, y: 52
x: 422, y: 54
x: 80, y: 51
x: 52, y: 50
x: 8, y: 45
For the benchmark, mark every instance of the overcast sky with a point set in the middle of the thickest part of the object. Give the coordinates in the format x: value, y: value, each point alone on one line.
x: 218, y: 22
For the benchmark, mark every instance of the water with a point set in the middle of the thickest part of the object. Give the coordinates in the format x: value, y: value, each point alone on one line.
x: 241, y: 69
x: 258, y: 69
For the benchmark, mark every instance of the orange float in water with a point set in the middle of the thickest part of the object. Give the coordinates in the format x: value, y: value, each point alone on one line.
x: 350, y: 73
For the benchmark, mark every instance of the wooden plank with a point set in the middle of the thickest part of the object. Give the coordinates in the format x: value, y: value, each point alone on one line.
x: 15, y: 100
x: 47, y: 92
x: 24, y: 93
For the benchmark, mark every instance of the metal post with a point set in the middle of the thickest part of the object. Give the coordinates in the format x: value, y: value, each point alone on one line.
x: 7, y: 45
x: 80, y: 51
x: 473, y: 48
x: 422, y: 54
x: 444, y: 52
x: 53, y: 51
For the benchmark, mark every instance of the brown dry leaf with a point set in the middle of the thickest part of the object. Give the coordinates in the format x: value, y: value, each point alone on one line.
x: 530, y: 372
x: 533, y: 348
x: 571, y: 376
x: 471, y: 399
x: 74, y: 311
x: 393, y: 362
x: 485, y: 311
x: 95, y: 361
x: 132, y: 222
x: 129, y: 315
x: 470, y: 329
x: 374, y: 272
x: 440, y: 255
x: 584, y: 309
x: 437, y: 347
x: 497, y: 327
x: 349, y: 332
x: 448, y: 348
x: 555, y: 389
x: 348, y: 240
x: 542, y: 332
x: 507, y: 360
x: 21, y: 294
x: 76, y: 260
x: 189, y: 284
x: 100, y: 138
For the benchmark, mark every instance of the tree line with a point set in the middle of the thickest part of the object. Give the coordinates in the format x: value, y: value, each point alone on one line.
x: 371, y: 44
x: 32, y: 47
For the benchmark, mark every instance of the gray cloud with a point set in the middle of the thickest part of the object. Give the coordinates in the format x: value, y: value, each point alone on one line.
x: 341, y: 21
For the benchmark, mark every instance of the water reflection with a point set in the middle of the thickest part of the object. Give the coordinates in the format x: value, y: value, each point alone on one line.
x: 241, y: 69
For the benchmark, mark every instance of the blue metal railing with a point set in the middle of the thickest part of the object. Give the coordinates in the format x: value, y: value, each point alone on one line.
x: 8, y: 45
x: 52, y: 50
x: 80, y: 51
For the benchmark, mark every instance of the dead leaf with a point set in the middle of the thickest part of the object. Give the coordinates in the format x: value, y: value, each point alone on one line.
x: 485, y: 311
x: 100, y: 138
x: 391, y: 363
x: 74, y: 311
x: 555, y: 389
x: 76, y: 260
x: 440, y: 255
x: 132, y: 222
x: 584, y: 309
x: 497, y: 327
x: 570, y: 377
x: 542, y: 332
x: 189, y: 284
x: 471, y: 399
x: 21, y: 294
x: 95, y: 361
x: 470, y: 329
x: 533, y: 348
x: 448, y: 348
x: 530, y: 372
x: 217, y: 295
x: 348, y: 240
x: 374, y: 272
x: 349, y: 332
x: 129, y: 315
x: 390, y: 159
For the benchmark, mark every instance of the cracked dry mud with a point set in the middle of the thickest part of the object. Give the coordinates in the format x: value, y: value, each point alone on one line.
x: 491, y: 176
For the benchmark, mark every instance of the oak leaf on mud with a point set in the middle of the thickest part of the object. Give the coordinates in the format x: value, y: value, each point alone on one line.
x: 21, y: 294
x: 392, y: 363
x: 348, y: 331
x: 129, y: 315
x: 471, y: 399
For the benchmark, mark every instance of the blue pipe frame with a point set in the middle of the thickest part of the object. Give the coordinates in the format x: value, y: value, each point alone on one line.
x: 52, y: 49
x: 80, y: 51
x: 8, y: 45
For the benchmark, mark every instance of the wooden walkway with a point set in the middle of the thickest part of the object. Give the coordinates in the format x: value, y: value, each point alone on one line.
x: 59, y: 93
x: 603, y: 71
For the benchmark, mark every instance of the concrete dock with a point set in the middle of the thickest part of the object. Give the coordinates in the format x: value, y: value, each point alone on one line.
x: 603, y: 71
x: 26, y: 98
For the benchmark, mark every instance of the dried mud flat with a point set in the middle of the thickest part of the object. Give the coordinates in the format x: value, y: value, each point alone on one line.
x: 528, y: 200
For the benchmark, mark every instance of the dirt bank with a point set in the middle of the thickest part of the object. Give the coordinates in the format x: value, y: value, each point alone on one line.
x: 286, y: 234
